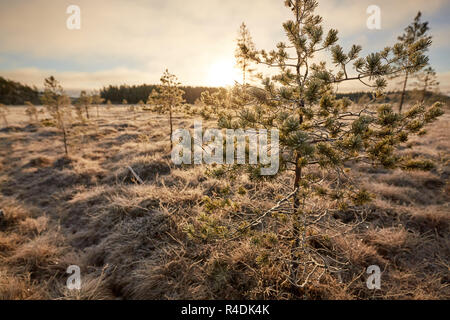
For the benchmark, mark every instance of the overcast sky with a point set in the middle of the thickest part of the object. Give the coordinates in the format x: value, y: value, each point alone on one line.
x: 133, y: 41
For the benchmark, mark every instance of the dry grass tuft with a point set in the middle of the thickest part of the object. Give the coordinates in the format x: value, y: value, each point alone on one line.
x: 164, y: 239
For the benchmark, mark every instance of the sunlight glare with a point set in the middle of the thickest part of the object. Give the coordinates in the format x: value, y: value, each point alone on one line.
x: 223, y: 73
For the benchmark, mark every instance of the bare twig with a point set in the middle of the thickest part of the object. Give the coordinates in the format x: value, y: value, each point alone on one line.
x: 138, y: 179
x: 259, y: 219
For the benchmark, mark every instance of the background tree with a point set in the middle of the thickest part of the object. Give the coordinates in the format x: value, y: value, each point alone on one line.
x: 245, y: 47
x: 213, y: 103
x: 125, y: 103
x: 410, y: 52
x: 3, y: 113
x: 31, y: 112
x: 319, y: 133
x: 79, y: 111
x: 57, y: 104
x: 132, y: 109
x: 141, y: 105
x: 109, y: 105
x: 84, y: 102
x: 426, y: 81
x: 168, y: 96
x: 97, y: 100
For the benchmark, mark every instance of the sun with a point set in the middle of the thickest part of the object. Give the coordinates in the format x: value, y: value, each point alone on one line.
x: 222, y: 73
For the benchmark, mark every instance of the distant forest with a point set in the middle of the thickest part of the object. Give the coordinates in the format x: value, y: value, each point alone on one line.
x: 16, y: 93
x: 134, y: 94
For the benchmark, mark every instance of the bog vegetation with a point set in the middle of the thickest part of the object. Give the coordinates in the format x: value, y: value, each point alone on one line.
x: 362, y: 181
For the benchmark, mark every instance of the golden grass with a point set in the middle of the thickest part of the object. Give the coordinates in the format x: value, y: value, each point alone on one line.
x: 131, y: 240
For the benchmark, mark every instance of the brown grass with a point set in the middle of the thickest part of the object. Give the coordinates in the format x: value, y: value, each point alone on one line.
x: 132, y: 241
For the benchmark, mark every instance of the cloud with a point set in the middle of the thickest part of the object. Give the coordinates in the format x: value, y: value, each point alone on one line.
x: 144, y: 37
x: 350, y: 16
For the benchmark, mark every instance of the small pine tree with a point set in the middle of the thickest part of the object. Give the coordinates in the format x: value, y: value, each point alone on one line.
x: 97, y: 100
x: 132, y: 109
x: 83, y: 104
x: 426, y: 81
x: 79, y: 112
x: 214, y: 103
x: 245, y: 48
x: 109, y: 105
x: 3, y: 113
x: 58, y: 104
x: 410, y: 51
x: 167, y: 97
x: 125, y: 103
x: 31, y: 112
x: 141, y: 105
x: 319, y: 133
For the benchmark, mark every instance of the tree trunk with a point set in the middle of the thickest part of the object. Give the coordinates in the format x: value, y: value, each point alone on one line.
x: 170, y: 120
x: 298, y: 176
x: 402, y: 99
x: 424, y: 93
x: 65, y: 140
x: 87, y: 111
x: 298, y: 173
x: 63, y: 128
x: 296, y: 230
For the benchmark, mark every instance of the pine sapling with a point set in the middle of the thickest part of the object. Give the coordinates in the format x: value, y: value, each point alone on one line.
x: 31, y: 112
x: 318, y: 133
x: 410, y: 53
x: 58, y: 104
x: 3, y: 113
x: 83, y: 104
x: 245, y: 47
x: 167, y: 97
x: 97, y: 100
x: 426, y: 81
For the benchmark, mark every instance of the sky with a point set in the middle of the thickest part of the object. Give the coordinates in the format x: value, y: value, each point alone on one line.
x: 134, y: 41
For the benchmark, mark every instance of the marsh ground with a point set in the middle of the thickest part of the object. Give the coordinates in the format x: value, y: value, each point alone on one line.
x: 132, y: 240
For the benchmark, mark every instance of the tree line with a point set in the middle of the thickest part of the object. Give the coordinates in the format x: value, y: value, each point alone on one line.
x: 16, y: 93
x: 135, y: 93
